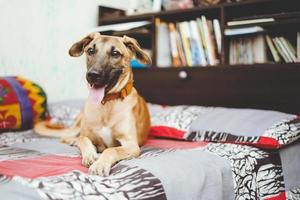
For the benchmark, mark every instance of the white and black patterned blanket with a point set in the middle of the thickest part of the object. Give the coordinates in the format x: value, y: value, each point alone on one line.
x: 34, y: 167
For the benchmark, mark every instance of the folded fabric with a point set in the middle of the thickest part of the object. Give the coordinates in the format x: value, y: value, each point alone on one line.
x: 22, y: 102
x: 262, y: 128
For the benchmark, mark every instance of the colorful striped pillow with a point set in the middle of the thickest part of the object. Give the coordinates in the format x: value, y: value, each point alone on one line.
x: 22, y: 103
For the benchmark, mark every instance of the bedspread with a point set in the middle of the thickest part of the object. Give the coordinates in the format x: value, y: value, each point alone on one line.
x: 36, y: 167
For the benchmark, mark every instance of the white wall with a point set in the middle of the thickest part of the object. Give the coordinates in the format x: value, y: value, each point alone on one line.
x: 35, y: 36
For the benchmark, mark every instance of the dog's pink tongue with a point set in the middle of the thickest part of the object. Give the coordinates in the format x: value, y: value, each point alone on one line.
x: 96, y: 95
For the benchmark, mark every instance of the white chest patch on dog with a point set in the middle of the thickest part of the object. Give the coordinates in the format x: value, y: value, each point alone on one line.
x: 105, y: 134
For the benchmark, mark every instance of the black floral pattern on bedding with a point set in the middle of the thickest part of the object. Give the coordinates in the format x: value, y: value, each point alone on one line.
x: 285, y: 132
x: 257, y: 173
x: 124, y: 183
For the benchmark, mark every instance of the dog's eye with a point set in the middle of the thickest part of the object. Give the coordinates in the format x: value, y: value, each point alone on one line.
x: 91, y: 51
x: 115, y: 54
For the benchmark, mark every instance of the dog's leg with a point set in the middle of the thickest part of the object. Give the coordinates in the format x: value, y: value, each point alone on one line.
x: 110, y: 156
x: 88, y: 151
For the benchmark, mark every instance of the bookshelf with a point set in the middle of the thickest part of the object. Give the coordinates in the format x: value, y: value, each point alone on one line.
x: 266, y: 85
x: 288, y: 27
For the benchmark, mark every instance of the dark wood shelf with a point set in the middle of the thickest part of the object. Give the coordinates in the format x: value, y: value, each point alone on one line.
x: 274, y: 66
x: 150, y: 15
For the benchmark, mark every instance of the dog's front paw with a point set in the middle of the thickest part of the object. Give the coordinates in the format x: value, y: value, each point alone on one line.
x: 100, y: 168
x: 89, y: 159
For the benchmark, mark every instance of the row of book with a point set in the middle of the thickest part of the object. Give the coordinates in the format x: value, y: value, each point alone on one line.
x: 282, y: 49
x: 188, y: 43
x: 255, y: 49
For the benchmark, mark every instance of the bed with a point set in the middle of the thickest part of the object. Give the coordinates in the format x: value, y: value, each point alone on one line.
x: 194, y: 152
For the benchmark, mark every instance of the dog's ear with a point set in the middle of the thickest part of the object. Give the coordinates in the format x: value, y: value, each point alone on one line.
x: 135, y: 48
x: 77, y: 48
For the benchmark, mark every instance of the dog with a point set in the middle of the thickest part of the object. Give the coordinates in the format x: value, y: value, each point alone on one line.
x: 115, y: 120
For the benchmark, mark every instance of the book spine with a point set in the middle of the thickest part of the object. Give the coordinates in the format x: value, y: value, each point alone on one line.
x: 231, y: 52
x: 174, y: 50
x: 290, y: 49
x: 250, y: 52
x: 180, y: 46
x: 163, y: 45
x: 285, y: 50
x: 213, y: 42
x: 198, y: 42
x: 186, y: 45
x: 208, y: 41
x: 250, y: 21
x: 280, y: 50
x: 202, y: 37
x: 260, y: 49
x: 272, y: 49
x: 218, y: 35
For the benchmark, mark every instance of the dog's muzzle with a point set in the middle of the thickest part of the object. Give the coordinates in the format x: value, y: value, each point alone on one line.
x: 103, y: 78
x: 95, y: 78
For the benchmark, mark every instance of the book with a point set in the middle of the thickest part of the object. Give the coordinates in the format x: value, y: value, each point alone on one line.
x: 194, y: 47
x: 198, y: 43
x: 121, y: 26
x: 249, y: 21
x: 213, y: 42
x: 259, y: 50
x: 280, y: 50
x: 289, y: 49
x: 247, y: 50
x: 249, y: 47
x: 276, y: 16
x: 243, y: 31
x: 180, y: 47
x: 292, y: 48
x: 202, y: 37
x: 184, y: 32
x: 218, y: 35
x: 190, y: 43
x: 208, y: 41
x: 173, y: 44
x: 284, y: 49
x: 163, y: 49
x: 273, y: 50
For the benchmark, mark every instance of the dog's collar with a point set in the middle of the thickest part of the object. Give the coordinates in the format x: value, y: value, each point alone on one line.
x: 126, y: 90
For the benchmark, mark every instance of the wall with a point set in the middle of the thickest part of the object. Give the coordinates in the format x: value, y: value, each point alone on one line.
x: 34, y: 40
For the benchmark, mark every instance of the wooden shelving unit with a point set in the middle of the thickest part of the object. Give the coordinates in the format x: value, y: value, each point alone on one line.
x: 266, y: 85
x: 224, y: 12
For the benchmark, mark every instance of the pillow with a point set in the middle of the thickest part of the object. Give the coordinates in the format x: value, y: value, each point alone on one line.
x: 261, y: 128
x: 22, y: 103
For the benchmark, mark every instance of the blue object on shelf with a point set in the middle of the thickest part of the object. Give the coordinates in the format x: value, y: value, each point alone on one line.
x: 135, y: 64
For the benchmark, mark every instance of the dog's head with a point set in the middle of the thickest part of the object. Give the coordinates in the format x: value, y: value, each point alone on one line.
x: 108, y: 57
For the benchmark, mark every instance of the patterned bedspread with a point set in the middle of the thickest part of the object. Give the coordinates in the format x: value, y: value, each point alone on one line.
x: 35, y: 167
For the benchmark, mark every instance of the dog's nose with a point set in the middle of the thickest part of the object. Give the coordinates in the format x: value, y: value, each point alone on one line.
x: 92, y: 76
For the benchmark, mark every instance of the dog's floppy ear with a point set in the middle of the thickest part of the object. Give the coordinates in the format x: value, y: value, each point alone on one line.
x: 135, y: 48
x: 77, y: 48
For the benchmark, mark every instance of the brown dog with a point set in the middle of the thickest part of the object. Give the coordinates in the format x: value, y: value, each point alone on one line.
x: 115, y: 120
